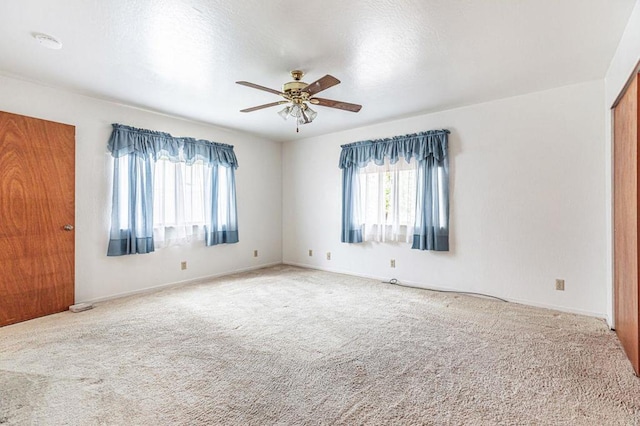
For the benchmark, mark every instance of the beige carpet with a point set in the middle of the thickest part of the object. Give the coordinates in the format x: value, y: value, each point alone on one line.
x: 288, y: 346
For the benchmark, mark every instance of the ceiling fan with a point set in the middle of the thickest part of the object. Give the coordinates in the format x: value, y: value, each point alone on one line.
x: 298, y: 94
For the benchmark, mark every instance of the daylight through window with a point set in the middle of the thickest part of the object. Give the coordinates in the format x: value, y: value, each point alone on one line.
x: 388, y: 201
x: 178, y: 202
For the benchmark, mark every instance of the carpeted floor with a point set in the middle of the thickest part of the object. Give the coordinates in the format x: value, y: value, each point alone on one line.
x: 289, y: 346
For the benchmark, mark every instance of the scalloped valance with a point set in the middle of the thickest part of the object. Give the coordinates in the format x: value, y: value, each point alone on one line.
x: 126, y: 140
x: 416, y: 145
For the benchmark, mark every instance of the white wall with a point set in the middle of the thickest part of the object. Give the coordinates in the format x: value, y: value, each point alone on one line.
x: 528, y: 191
x: 531, y: 196
x: 624, y: 62
x: 259, y: 185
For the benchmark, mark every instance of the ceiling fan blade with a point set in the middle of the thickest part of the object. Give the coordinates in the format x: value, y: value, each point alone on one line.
x: 255, y: 108
x: 335, y: 104
x: 321, y: 84
x: 257, y: 86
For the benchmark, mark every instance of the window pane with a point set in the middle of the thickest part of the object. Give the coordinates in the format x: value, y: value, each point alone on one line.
x: 441, y: 199
x: 388, y: 198
x: 178, y: 204
x: 407, y: 196
x: 123, y: 185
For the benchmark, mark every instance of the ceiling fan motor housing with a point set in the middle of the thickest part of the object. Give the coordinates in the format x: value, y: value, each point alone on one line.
x: 293, y: 89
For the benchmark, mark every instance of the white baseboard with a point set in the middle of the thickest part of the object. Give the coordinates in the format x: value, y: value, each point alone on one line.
x: 160, y: 287
x: 437, y: 288
x: 609, y: 321
x: 337, y: 271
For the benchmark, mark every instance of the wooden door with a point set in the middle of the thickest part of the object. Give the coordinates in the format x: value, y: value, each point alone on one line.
x: 37, y: 200
x: 625, y: 220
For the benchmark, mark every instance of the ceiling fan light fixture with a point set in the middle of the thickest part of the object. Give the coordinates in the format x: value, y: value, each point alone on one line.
x: 312, y: 114
x: 296, y: 111
x: 284, y: 112
x: 301, y: 112
x: 307, y: 115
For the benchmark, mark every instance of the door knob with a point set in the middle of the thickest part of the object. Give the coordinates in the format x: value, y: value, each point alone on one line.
x: 68, y: 227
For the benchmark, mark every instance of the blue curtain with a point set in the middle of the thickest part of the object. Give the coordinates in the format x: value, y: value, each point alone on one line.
x: 430, y: 150
x: 352, y: 228
x: 132, y: 208
x: 134, y: 152
x: 222, y: 220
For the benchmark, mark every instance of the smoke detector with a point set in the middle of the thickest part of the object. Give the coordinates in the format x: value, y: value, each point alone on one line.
x: 45, y: 40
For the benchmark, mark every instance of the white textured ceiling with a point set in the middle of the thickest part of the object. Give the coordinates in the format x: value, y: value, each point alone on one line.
x: 396, y: 58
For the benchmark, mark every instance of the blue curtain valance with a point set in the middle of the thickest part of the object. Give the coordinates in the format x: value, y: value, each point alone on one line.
x: 418, y: 145
x: 126, y: 140
x: 430, y: 149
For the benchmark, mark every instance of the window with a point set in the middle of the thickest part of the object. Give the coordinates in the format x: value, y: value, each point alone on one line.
x: 388, y: 201
x: 403, y: 201
x: 170, y: 190
x: 180, y: 199
x: 178, y: 202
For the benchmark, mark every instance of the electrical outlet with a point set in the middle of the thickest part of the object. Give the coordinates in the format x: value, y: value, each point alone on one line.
x: 560, y: 284
x: 393, y: 263
x: 310, y: 252
x: 328, y: 255
x: 183, y: 265
x: 255, y: 253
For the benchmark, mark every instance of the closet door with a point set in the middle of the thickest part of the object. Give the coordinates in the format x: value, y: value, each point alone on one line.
x: 37, y: 206
x: 626, y: 198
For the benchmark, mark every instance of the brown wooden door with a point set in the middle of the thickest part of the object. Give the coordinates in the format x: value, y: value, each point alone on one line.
x: 37, y: 200
x: 625, y: 220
